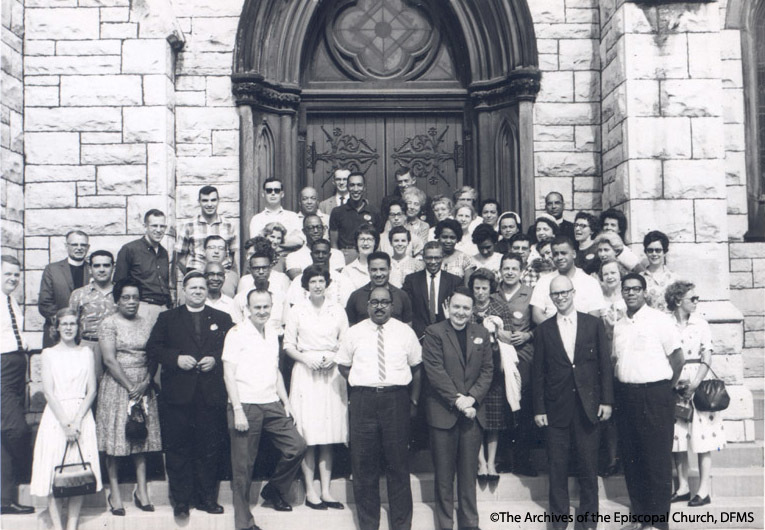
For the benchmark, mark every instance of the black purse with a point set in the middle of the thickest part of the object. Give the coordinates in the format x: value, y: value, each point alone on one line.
x: 73, y: 479
x: 135, y: 428
x: 710, y: 395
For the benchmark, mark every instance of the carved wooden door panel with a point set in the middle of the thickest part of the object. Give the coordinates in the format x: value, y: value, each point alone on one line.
x: 429, y: 144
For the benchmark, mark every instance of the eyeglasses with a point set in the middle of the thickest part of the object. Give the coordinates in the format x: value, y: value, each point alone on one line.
x: 654, y: 250
x: 214, y: 275
x: 561, y: 294
x: 627, y: 290
x: 693, y: 299
x: 101, y: 266
x: 273, y: 190
x: 380, y: 303
x: 395, y: 214
x: 581, y: 225
x: 366, y: 240
x: 262, y: 268
x: 78, y: 245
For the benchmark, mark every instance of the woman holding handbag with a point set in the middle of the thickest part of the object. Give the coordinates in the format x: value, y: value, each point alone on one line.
x: 704, y: 432
x: 126, y: 383
x: 67, y: 432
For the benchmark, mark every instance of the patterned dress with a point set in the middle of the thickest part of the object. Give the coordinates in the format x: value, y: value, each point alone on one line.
x: 656, y: 284
x: 705, y: 431
x: 129, y: 337
x: 458, y: 263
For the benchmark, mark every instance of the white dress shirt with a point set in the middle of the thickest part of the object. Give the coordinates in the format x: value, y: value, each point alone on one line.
x: 227, y: 305
x: 567, y: 327
x: 7, y: 338
x: 301, y: 258
x: 256, y: 359
x: 587, y: 298
x: 286, y: 218
x: 358, y: 350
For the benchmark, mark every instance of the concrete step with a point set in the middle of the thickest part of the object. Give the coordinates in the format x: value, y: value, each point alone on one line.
x: 494, y: 515
x: 726, y: 482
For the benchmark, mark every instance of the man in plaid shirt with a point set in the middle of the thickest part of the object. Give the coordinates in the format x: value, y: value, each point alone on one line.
x: 191, y: 236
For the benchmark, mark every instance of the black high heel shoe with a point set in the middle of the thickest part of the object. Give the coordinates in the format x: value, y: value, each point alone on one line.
x: 119, y: 512
x: 145, y: 507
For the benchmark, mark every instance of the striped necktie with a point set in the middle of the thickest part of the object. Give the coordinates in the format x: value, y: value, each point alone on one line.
x: 15, y: 325
x: 380, y: 355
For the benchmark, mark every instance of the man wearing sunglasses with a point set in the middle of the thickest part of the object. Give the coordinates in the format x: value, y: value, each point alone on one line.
x: 274, y: 212
x: 649, y: 358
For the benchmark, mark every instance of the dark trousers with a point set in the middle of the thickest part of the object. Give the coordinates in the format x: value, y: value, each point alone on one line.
x: 14, y: 448
x: 645, y: 418
x: 271, y: 418
x: 581, y: 436
x: 194, y: 439
x: 456, y: 449
x: 525, y: 433
x: 379, y: 425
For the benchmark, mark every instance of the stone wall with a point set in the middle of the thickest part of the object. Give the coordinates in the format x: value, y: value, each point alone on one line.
x: 747, y: 265
x: 12, y: 128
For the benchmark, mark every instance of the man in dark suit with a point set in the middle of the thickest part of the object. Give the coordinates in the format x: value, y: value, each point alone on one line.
x: 554, y: 205
x: 340, y: 180
x: 188, y: 342
x: 60, y: 278
x: 457, y: 358
x: 427, y: 310
x: 572, y: 385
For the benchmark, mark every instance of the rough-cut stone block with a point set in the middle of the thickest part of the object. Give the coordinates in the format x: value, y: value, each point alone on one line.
x: 160, y: 169
x: 219, y: 92
x: 707, y: 138
x: 205, y: 63
x: 663, y: 138
x: 50, y: 195
x: 557, y: 87
x: 754, y: 323
x: 566, y: 31
x: 100, y: 138
x: 581, y: 16
x: 52, y: 148
x: 737, y: 199
x: 36, y: 259
x: 149, y: 56
x: 49, y: 222
x: 145, y: 124
x: 741, y: 403
x: 203, y: 8
x: 548, y: 62
x: 566, y: 113
x: 119, y: 30
x: 582, y: 184
x: 735, y: 138
x: 42, y: 80
x: 102, y: 201
x: 40, y: 243
x: 733, y: 105
x: 193, y: 170
x: 587, y: 201
x: 121, y: 180
x: 738, y: 226
x: 107, y: 90
x: 567, y: 164
x: 694, y: 179
x: 104, y: 154
x: 747, y: 250
x: 158, y: 90
x: 729, y: 368
x: 115, y: 14
x: 741, y: 265
x: 40, y: 47
x: 72, y: 65
x: 544, y: 185
x: 553, y: 133
x: 741, y: 280
x: 138, y: 205
x: 13, y: 90
x: 548, y: 11
x: 691, y: 97
x: 190, y: 99
x: 105, y: 3
x: 642, y: 98
x: 89, y: 47
x: 710, y: 217
x: 586, y: 86
x: 645, y: 179
x: 588, y: 138
x: 673, y: 217
x: 194, y: 149
x: 751, y: 302
x: 53, y: 173
x: 732, y: 74
x: 41, y: 96
x: 652, y: 58
x: 83, y: 119
x: 214, y: 33
x: 703, y: 263
x: 190, y: 82
x: 192, y: 121
x: 579, y: 54
x: 549, y: 46
x: 61, y: 24
x: 32, y: 287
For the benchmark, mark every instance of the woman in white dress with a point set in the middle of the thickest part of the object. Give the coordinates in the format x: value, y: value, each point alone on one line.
x: 704, y: 433
x: 318, y: 393
x: 69, y: 385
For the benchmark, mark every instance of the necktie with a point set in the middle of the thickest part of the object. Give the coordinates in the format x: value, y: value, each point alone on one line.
x: 342, y: 200
x: 433, y: 300
x: 380, y: 354
x: 15, y: 326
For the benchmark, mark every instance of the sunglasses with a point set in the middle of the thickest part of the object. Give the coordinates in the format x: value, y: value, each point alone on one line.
x: 273, y: 190
x: 694, y: 299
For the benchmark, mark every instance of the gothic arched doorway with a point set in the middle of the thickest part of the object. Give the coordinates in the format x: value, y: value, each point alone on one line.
x: 443, y: 88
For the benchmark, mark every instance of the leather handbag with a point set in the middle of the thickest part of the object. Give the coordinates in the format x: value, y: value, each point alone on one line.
x: 135, y: 428
x: 683, y: 410
x: 710, y: 395
x: 70, y: 480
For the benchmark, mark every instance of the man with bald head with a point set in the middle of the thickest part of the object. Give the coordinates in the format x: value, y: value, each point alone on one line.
x: 215, y: 276
x: 340, y: 180
x: 572, y: 389
x: 308, y: 204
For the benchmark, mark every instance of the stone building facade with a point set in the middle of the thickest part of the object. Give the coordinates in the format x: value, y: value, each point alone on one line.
x: 112, y: 107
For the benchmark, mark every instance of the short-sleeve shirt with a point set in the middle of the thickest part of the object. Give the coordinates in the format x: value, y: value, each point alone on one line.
x: 642, y: 345
x: 587, y: 299
x: 92, y: 305
x: 346, y: 219
x: 287, y: 218
x: 301, y: 258
x: 192, y: 235
x: 256, y: 359
x: 358, y: 350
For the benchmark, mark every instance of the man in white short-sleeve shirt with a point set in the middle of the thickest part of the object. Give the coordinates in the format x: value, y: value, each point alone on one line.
x: 649, y: 359
x: 258, y: 402
x: 274, y: 212
x: 589, y: 296
x: 380, y: 356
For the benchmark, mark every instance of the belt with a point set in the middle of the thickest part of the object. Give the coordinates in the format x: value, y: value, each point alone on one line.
x: 645, y: 385
x: 378, y: 389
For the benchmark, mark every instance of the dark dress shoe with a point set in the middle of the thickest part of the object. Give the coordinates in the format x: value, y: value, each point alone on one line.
x: 321, y: 505
x: 119, y: 512
x: 334, y: 505
x: 210, y: 507
x: 698, y: 501
x: 148, y: 507
x: 492, y: 479
x: 680, y: 498
x: 272, y: 495
x: 181, y: 510
x: 16, y: 509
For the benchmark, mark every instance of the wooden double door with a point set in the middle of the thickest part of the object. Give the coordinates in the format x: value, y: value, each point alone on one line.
x: 430, y: 144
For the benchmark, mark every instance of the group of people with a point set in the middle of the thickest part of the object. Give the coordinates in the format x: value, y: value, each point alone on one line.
x: 432, y: 322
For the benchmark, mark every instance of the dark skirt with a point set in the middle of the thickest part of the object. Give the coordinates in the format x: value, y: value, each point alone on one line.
x: 497, y: 408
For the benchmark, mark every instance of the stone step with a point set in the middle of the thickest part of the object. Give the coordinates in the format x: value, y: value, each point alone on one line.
x: 303, y: 518
x: 726, y: 482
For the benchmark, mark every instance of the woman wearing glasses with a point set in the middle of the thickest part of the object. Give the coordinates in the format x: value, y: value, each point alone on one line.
x: 657, y: 275
x: 704, y: 432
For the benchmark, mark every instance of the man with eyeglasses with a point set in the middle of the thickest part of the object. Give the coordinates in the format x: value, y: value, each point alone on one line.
x: 216, y: 251
x: 572, y: 386
x: 147, y: 262
x: 380, y: 357
x: 345, y: 220
x: 589, y: 296
x: 313, y: 230
x: 94, y: 301
x: 649, y: 359
x: 340, y: 181
x: 378, y: 264
x: 215, y: 276
x: 60, y: 278
x: 273, y: 212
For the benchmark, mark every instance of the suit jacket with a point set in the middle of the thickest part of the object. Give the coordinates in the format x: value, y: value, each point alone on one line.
x: 565, y: 228
x: 416, y: 286
x: 555, y: 379
x: 56, y: 286
x: 449, y: 373
x: 327, y: 205
x: 173, y: 335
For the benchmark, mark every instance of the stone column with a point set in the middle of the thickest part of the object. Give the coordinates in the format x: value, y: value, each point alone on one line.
x: 663, y: 158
